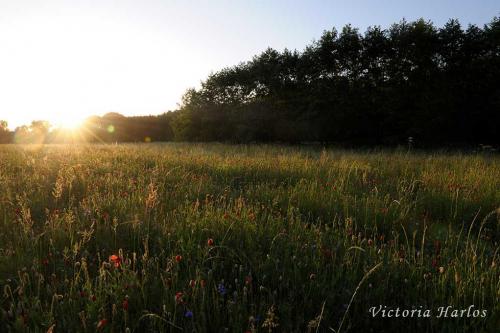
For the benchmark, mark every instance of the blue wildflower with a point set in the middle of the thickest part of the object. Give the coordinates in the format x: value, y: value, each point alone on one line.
x: 188, y: 314
x: 221, y: 289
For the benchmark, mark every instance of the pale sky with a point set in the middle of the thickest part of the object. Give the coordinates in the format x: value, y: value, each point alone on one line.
x: 65, y: 60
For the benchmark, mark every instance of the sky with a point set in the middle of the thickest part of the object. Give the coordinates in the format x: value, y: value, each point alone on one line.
x: 62, y: 61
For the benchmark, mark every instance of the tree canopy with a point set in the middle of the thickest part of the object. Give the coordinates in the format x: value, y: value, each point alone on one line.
x: 437, y: 85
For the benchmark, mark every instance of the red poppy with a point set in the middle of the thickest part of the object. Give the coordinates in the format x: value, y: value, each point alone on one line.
x: 125, y: 304
x: 178, y: 297
x: 101, y: 323
x: 434, y: 262
x: 115, y: 260
x: 210, y: 242
x: 178, y: 258
x: 248, y: 280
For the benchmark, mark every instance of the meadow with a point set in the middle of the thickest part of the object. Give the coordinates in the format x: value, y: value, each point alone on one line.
x: 245, y: 238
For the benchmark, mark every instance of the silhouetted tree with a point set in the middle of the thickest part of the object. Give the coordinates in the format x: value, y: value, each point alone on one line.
x: 5, y: 134
x: 439, y: 86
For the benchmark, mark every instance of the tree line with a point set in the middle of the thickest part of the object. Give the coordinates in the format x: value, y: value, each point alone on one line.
x: 110, y: 128
x: 439, y: 86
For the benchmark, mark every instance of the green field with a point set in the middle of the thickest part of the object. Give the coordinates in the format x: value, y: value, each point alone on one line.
x: 220, y: 238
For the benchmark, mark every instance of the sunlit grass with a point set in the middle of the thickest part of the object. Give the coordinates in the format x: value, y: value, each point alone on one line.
x: 247, y: 238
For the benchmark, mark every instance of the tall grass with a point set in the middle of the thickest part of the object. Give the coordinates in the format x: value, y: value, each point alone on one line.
x: 211, y: 238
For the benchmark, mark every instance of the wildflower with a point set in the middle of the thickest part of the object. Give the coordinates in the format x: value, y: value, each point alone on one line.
x: 115, y: 260
x: 248, y: 280
x: 192, y: 283
x: 441, y: 269
x: 125, y: 304
x: 210, y: 242
x: 312, y: 276
x: 434, y: 262
x: 101, y: 323
x: 178, y: 297
x: 370, y: 242
x: 178, y: 258
x: 221, y: 289
x: 188, y: 314
x: 45, y: 262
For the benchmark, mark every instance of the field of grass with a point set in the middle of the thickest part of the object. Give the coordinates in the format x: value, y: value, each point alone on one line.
x: 219, y: 238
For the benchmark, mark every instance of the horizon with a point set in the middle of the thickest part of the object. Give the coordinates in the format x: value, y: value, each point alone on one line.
x: 64, y: 62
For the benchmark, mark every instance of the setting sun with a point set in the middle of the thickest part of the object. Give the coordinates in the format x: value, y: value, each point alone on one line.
x: 69, y: 122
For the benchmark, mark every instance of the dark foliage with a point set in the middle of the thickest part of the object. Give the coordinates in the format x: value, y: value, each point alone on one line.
x: 439, y: 86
